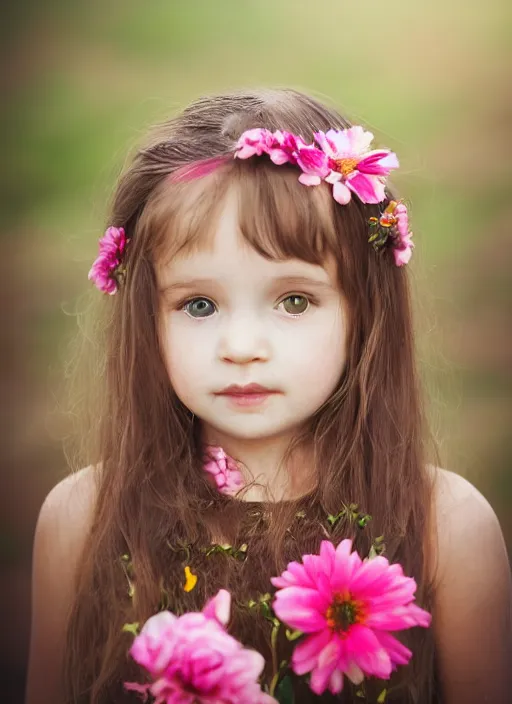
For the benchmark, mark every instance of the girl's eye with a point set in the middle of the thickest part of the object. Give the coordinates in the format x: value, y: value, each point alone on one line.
x: 295, y: 304
x: 199, y: 308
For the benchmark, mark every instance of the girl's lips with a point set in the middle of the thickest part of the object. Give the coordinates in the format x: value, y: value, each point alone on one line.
x: 235, y: 389
x: 250, y: 395
x: 250, y: 399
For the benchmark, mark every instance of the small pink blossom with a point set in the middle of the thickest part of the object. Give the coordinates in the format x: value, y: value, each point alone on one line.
x: 105, y: 269
x: 347, y: 607
x: 224, y: 470
x: 314, y: 165
x: 285, y: 148
x: 193, y: 660
x: 353, y: 167
x: 403, y: 244
x: 254, y: 142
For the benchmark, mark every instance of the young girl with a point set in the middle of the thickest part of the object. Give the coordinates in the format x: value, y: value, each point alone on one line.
x: 261, y: 310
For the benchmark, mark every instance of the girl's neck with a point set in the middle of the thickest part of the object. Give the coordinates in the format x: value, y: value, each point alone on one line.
x: 263, y: 466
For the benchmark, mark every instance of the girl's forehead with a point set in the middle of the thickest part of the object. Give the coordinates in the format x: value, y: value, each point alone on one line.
x: 237, y: 212
x: 222, y: 250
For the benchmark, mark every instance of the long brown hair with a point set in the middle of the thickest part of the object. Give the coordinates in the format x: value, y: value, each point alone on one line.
x: 155, y: 505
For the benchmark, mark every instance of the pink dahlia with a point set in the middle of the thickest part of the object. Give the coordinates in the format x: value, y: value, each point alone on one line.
x: 346, y: 607
x: 353, y: 167
x: 105, y: 270
x: 224, y: 470
x: 193, y: 660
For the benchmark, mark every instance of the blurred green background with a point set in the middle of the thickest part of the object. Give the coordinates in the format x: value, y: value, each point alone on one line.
x: 82, y: 82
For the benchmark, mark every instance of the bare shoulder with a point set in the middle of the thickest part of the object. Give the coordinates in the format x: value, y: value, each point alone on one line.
x: 454, y: 491
x: 65, y: 519
x: 465, y: 520
x: 71, y: 502
x: 472, y: 586
x: 62, y: 527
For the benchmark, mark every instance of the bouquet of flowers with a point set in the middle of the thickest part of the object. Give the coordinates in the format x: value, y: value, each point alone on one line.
x: 338, y: 609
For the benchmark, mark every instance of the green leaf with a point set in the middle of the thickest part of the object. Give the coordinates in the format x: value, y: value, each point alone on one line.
x: 377, y: 548
x: 265, y: 610
x: 363, y: 520
x: 334, y: 519
x: 293, y: 635
x: 382, y: 696
x: 284, y: 691
x: 131, y: 628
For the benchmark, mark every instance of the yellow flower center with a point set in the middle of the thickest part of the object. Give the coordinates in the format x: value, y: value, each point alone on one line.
x: 190, y: 580
x: 344, y: 612
x: 346, y: 166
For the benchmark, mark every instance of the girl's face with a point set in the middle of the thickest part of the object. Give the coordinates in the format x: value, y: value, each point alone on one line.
x: 230, y: 317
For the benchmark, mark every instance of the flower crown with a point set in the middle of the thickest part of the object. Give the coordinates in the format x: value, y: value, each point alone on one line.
x: 341, y: 158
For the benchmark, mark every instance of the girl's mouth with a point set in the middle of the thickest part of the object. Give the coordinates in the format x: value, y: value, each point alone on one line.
x: 249, y: 395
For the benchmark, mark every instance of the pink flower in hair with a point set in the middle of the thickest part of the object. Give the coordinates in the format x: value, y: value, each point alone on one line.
x: 314, y: 165
x: 224, y: 470
x: 106, y: 271
x: 254, y: 142
x: 193, y: 660
x: 346, y: 607
x: 403, y: 245
x: 285, y: 148
x: 353, y: 167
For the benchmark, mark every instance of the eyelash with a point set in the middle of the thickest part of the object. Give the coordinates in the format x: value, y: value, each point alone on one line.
x: 181, y: 306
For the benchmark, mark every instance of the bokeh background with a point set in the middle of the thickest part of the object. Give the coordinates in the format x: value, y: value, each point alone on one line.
x: 80, y: 84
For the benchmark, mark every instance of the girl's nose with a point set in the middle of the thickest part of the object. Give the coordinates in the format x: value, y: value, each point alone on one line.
x: 243, y: 341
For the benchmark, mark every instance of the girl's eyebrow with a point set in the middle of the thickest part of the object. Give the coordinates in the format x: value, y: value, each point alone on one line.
x: 184, y: 284
x: 301, y: 281
x: 273, y: 282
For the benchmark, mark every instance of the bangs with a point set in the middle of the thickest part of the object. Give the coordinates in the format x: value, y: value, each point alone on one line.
x: 279, y: 217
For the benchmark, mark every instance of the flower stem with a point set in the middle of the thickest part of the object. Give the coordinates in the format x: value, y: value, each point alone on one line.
x: 273, y: 642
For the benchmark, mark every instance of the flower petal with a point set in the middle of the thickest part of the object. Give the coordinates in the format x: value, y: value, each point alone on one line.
x: 398, y: 618
x: 341, y: 193
x: 402, y: 256
x: 310, y: 180
x: 369, y: 189
x: 306, y: 653
x: 327, y: 662
x: 219, y: 607
x: 368, y: 653
x: 379, y: 163
x: 399, y: 654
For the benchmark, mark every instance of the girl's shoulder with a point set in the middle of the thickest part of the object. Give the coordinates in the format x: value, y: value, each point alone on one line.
x: 62, y: 527
x: 465, y: 524
x: 69, y: 507
x: 453, y: 492
x: 472, y: 587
